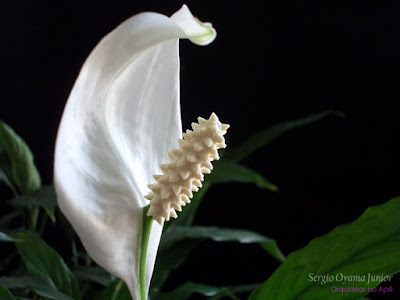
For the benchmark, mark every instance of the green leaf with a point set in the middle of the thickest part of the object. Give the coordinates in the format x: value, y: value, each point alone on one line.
x: 189, y: 288
x: 264, y: 137
x: 4, y: 178
x: 219, y: 235
x: 45, y: 197
x: 167, y: 260
x: 116, y: 291
x: 237, y: 289
x: 34, y: 284
x: 6, y: 260
x: 230, y: 171
x: 45, y: 263
x: 367, y: 247
x: 5, y: 294
x: 177, y: 243
x: 93, y: 274
x: 5, y: 170
x: 9, y: 217
x: 6, y: 238
x: 23, y: 169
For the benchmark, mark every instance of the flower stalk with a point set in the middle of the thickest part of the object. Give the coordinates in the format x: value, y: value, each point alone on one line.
x: 144, y: 245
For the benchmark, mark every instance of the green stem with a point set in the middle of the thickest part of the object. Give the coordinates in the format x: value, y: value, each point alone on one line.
x: 146, y: 229
x: 75, y: 254
x: 43, y: 223
x: 33, y: 217
x: 117, y: 289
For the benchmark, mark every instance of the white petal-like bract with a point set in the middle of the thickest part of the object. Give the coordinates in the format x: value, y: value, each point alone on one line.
x: 121, y: 118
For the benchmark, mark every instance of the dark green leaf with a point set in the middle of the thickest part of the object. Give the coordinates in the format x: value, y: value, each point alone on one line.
x: 45, y: 197
x: 5, y: 170
x: 34, y: 284
x: 6, y: 238
x: 23, y: 169
x: 169, y: 259
x: 5, y: 294
x: 219, y: 235
x: 45, y: 263
x: 6, y: 260
x: 229, y: 171
x: 189, y: 288
x: 237, y: 289
x: 93, y: 274
x: 177, y: 243
x: 368, y: 246
x: 4, y: 178
x: 117, y: 290
x: 262, y: 138
x: 9, y: 217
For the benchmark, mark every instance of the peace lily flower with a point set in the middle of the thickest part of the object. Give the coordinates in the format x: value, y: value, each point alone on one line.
x: 121, y: 119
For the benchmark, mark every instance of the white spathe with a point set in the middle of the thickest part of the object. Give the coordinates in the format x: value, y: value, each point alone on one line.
x: 121, y: 118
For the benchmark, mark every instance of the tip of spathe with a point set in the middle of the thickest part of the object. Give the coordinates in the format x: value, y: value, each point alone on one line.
x: 200, y: 33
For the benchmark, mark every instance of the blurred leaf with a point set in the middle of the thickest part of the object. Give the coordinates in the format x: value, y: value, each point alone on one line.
x: 237, y: 289
x: 368, y: 246
x: 264, y: 137
x: 5, y: 171
x: 189, y: 288
x: 93, y: 274
x: 33, y: 284
x: 4, y: 178
x: 117, y: 290
x: 45, y: 197
x: 45, y: 263
x: 9, y: 217
x: 6, y: 238
x: 217, y: 234
x: 229, y: 171
x: 6, y: 260
x: 5, y: 294
x: 23, y: 169
x: 177, y: 243
x: 168, y: 260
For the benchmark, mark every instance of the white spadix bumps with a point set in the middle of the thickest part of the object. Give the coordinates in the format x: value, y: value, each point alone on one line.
x: 184, y: 174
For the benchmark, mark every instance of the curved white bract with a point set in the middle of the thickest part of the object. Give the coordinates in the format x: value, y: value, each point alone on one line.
x: 121, y: 118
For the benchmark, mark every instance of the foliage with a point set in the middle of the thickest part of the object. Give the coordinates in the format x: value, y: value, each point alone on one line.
x: 34, y: 270
x: 365, y: 248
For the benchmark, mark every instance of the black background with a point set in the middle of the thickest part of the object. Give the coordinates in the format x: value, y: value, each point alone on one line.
x: 272, y: 62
